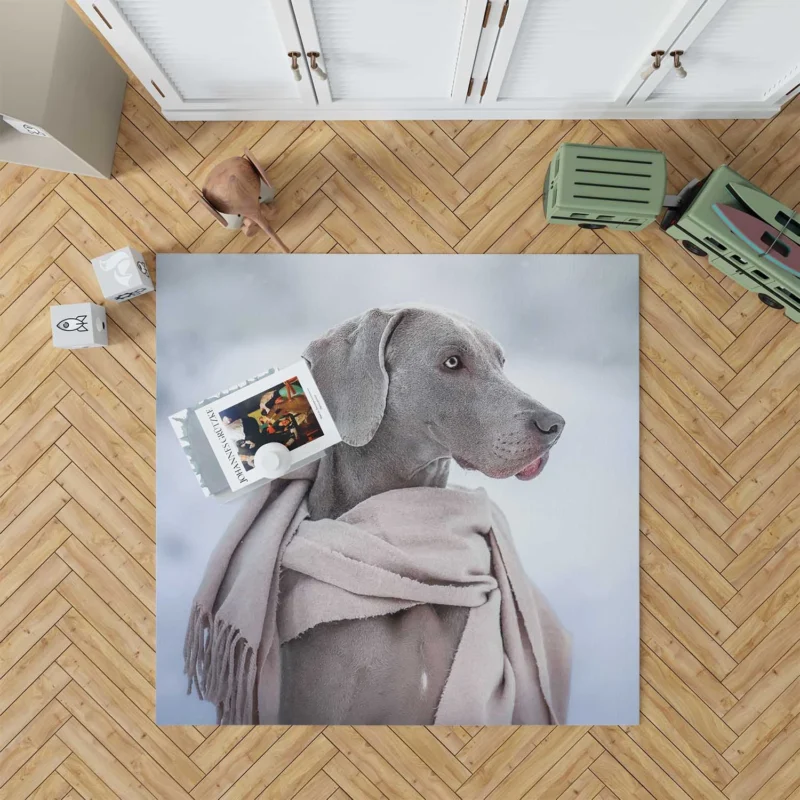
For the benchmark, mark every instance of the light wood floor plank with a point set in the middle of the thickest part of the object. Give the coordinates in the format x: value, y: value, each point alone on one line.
x: 376, y: 227
x: 502, y: 763
x: 689, y: 632
x: 12, y: 176
x: 535, y: 767
x: 31, y: 593
x: 84, y: 782
x: 31, y: 229
x: 31, y: 629
x: 38, y: 295
x: 299, y: 153
x: 25, y: 199
x: 488, y: 158
x: 34, y: 736
x: 619, y: 782
x: 684, y: 592
x: 30, y: 484
x: 764, y: 692
x: 108, y: 478
x: 301, y: 770
x: 682, y: 300
x: 81, y: 597
x: 102, y: 768
x: 30, y: 267
x: 108, y: 442
x: 688, y: 742
x: 109, y: 516
x: 682, y: 555
x: 157, y: 202
x: 275, y: 760
x: 758, y: 443
x: 108, y: 225
x: 416, y: 212
x: 209, y: 135
x: 764, y: 577
x: 476, y: 133
x: 419, y: 161
x: 159, y: 131
x: 437, y: 143
x: 153, y: 161
x: 502, y: 202
x: 688, y: 452
x: 351, y: 782
x: 235, y: 763
x: 140, y: 748
x: 108, y: 660
x: 686, y: 702
x: 27, y: 530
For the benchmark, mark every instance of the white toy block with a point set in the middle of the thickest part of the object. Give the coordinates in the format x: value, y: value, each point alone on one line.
x: 122, y: 274
x: 78, y: 325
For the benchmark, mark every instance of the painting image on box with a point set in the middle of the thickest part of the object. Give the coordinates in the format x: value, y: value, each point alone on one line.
x: 281, y: 414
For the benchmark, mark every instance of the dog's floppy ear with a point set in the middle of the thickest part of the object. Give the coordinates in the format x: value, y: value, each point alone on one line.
x: 349, y: 367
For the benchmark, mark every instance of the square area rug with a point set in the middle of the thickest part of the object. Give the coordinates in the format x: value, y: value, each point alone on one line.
x: 467, y: 554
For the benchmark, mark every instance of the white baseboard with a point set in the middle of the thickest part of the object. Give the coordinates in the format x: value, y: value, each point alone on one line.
x: 650, y: 111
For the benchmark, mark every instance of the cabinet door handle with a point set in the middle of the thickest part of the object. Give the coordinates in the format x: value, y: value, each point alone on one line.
x: 315, y: 68
x: 676, y: 60
x: 294, y: 55
x: 657, y: 56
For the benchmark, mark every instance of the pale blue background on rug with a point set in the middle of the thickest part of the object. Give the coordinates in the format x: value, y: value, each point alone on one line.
x: 569, y: 326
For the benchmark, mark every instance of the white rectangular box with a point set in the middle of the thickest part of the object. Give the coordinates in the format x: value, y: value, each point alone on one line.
x: 226, y: 437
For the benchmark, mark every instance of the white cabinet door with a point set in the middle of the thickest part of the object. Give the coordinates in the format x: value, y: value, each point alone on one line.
x: 395, y: 55
x: 390, y: 59
x: 743, y: 51
x: 555, y: 54
x: 206, y: 53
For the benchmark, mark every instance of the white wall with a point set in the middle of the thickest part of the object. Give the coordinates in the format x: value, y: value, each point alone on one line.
x: 569, y: 325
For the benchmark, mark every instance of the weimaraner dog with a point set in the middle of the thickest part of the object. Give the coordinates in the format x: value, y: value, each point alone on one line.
x: 409, y: 388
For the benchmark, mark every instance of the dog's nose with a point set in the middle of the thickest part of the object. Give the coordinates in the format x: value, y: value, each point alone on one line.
x: 548, y: 423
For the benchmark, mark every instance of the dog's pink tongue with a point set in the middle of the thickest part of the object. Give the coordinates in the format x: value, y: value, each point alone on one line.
x: 532, y: 470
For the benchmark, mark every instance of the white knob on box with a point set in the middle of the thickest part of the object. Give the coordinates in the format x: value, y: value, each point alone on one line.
x: 273, y: 460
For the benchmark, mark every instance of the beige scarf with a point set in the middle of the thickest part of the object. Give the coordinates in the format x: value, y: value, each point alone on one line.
x: 393, y: 551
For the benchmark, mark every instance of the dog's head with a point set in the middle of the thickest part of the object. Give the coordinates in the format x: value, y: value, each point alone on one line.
x: 431, y: 374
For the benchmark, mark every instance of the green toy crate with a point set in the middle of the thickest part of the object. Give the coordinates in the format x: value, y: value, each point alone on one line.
x: 702, y: 232
x: 605, y: 187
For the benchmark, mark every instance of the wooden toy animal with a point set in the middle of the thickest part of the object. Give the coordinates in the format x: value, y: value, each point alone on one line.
x: 233, y: 188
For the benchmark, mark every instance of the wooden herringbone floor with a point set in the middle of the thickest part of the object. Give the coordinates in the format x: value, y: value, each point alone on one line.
x: 720, y: 548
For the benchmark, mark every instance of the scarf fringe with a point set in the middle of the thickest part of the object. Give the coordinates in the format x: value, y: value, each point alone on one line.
x: 221, y: 666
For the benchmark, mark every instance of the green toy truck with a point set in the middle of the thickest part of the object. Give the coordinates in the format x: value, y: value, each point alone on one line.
x: 696, y: 225
x: 622, y: 188
x: 605, y: 187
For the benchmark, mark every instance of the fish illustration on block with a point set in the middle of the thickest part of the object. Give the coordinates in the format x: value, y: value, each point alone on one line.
x: 119, y: 264
x: 122, y: 274
x: 74, y: 324
x: 767, y: 241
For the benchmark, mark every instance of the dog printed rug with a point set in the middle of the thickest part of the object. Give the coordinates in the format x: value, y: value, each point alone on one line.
x: 515, y: 375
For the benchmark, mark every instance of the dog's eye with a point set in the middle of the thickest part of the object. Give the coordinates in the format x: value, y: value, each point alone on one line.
x: 453, y: 362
